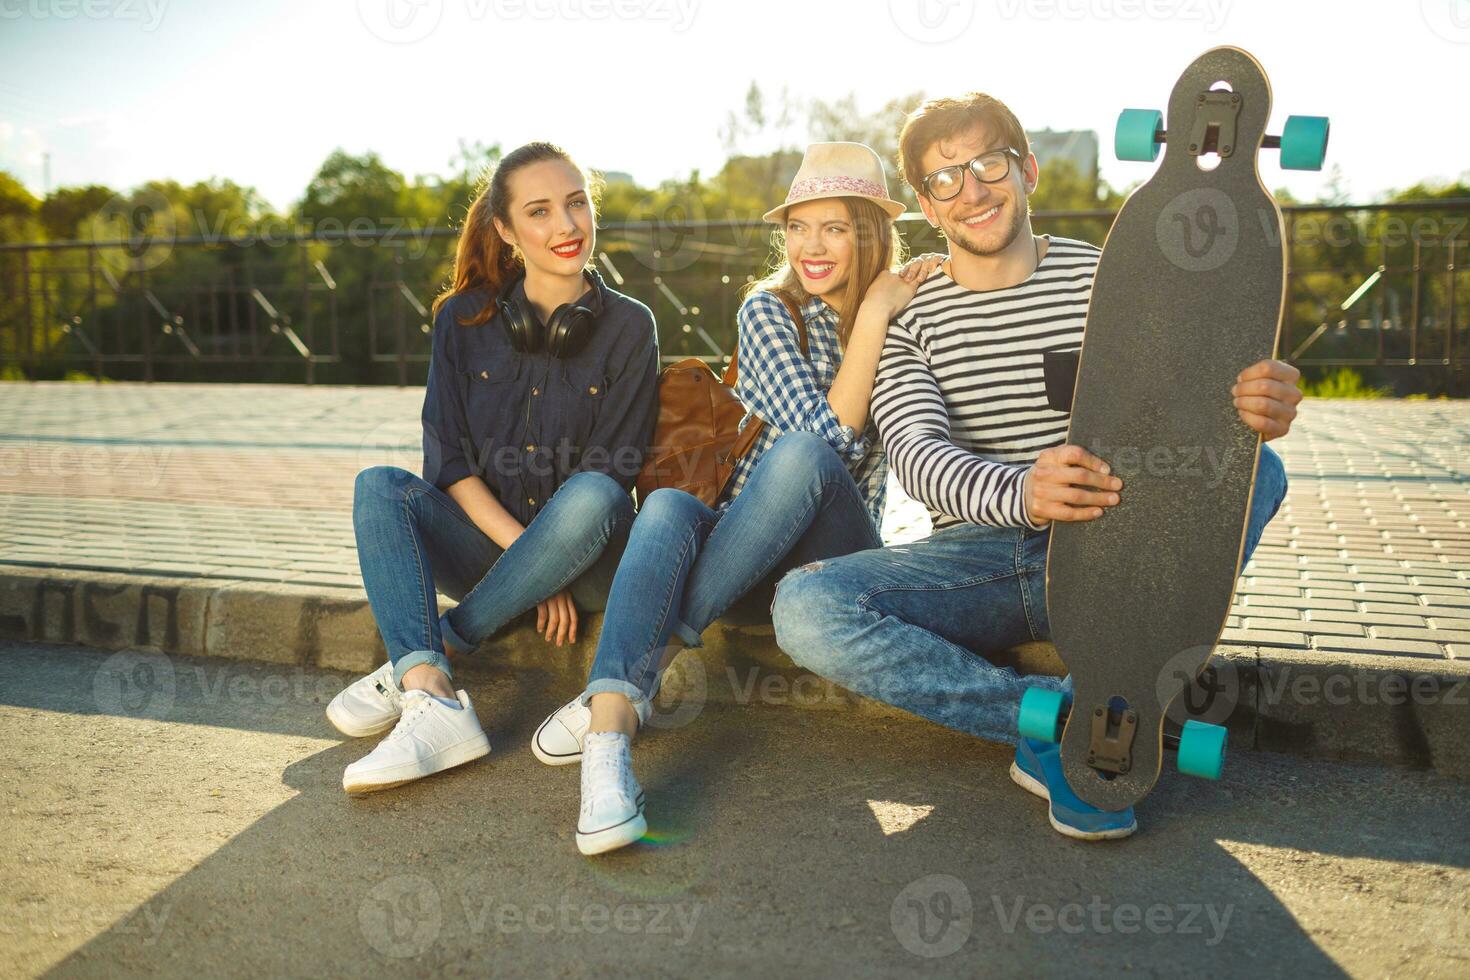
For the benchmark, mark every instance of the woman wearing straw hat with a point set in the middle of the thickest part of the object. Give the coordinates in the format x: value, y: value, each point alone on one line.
x: 810, y: 488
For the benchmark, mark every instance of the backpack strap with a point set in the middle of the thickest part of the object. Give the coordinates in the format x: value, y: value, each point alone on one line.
x: 732, y: 370
x: 753, y: 429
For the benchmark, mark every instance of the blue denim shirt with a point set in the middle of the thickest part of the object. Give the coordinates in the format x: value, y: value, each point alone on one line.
x: 524, y: 423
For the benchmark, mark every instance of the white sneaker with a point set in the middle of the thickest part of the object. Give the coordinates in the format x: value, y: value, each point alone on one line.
x: 558, y: 742
x: 429, y: 738
x: 612, y: 802
x: 368, y: 705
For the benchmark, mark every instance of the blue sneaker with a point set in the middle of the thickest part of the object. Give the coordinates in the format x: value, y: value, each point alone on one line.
x: 1038, y: 769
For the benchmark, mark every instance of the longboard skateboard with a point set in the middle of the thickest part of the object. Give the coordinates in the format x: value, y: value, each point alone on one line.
x: 1189, y: 291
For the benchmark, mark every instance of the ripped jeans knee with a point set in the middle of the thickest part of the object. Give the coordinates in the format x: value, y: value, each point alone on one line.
x: 811, y: 566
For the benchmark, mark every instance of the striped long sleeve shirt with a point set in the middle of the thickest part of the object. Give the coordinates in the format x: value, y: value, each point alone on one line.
x: 960, y: 397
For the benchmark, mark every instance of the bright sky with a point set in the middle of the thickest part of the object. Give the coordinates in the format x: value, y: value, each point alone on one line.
x: 121, y: 91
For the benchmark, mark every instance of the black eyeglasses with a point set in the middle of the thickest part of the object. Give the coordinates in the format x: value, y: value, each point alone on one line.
x: 989, y: 168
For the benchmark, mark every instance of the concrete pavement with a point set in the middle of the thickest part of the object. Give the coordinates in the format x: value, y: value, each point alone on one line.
x: 183, y: 817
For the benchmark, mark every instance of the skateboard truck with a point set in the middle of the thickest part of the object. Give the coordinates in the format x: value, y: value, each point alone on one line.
x: 1111, y: 746
x: 1140, y: 133
x: 1201, y: 746
x: 1214, y: 123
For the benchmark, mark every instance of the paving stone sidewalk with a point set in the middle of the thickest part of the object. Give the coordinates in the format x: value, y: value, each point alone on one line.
x: 1371, y: 552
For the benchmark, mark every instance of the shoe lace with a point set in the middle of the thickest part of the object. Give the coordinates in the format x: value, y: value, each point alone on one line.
x: 385, y: 686
x: 415, y: 710
x: 603, y: 770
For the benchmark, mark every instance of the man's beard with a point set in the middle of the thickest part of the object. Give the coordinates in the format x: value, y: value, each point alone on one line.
x: 961, y: 238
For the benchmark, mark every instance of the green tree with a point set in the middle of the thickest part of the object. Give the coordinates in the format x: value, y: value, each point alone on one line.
x: 19, y: 212
x: 66, y: 208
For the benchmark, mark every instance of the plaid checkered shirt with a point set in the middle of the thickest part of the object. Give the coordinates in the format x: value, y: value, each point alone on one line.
x: 789, y: 392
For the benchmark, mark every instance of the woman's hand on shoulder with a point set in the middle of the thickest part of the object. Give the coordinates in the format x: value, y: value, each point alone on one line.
x: 892, y: 291
x: 925, y: 263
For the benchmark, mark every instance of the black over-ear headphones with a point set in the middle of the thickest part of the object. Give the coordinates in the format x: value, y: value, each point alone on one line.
x: 563, y: 335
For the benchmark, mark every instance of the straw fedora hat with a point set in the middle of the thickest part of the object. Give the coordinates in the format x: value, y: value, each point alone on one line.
x: 838, y: 170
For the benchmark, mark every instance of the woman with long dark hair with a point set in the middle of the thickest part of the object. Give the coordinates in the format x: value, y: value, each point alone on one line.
x: 542, y: 396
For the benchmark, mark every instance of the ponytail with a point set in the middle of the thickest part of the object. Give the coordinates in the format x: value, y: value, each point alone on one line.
x: 482, y: 259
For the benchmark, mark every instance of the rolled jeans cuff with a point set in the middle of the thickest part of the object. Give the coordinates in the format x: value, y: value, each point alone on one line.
x: 449, y: 635
x: 413, y: 658
x: 610, y: 685
x: 684, y: 632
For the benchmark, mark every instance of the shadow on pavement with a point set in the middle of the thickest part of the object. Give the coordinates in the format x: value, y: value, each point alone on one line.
x: 765, y: 852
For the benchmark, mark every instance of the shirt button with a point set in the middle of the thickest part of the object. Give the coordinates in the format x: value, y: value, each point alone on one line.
x: 484, y: 374
x: 592, y: 390
x: 530, y: 449
x: 535, y: 391
x: 531, y: 501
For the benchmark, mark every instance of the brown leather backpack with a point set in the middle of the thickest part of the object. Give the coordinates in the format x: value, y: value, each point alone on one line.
x: 697, y: 440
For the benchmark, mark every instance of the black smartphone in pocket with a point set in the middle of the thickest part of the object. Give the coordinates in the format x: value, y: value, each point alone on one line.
x: 1059, y: 369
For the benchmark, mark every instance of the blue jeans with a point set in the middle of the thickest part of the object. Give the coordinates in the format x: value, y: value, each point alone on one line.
x: 414, y: 540
x: 685, y: 563
x: 912, y: 625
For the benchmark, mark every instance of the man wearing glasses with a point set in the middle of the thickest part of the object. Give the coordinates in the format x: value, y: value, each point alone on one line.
x: 960, y: 403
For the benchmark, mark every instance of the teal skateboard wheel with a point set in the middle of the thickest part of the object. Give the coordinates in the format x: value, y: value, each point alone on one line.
x: 1202, y: 749
x: 1137, y: 135
x: 1041, y: 714
x: 1304, y: 142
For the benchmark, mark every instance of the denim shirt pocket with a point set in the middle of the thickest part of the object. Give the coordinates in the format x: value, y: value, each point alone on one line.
x: 489, y: 384
x: 494, y: 370
x: 491, y: 389
x: 586, y: 390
